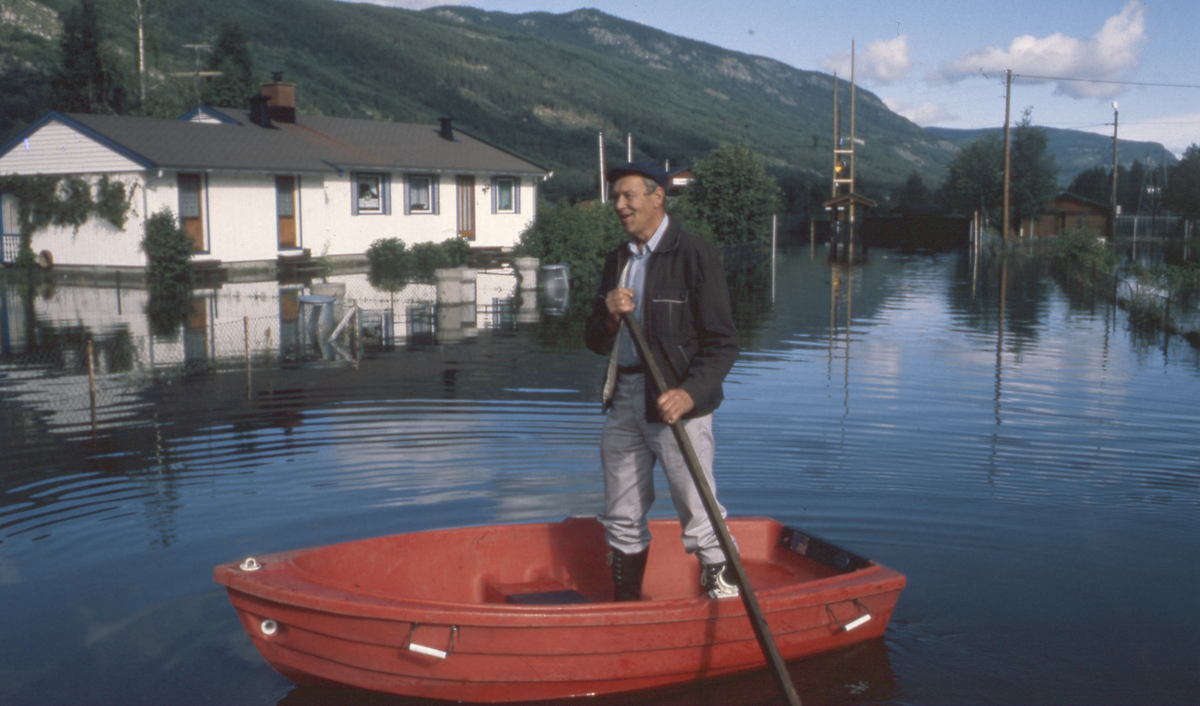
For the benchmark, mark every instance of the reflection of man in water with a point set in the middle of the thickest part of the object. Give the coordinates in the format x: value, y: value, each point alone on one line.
x: 673, y: 282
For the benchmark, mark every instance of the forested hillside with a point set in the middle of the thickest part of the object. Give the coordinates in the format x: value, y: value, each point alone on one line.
x: 1076, y: 151
x: 540, y: 85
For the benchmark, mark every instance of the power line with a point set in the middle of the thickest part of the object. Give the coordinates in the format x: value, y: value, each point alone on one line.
x: 1097, y: 80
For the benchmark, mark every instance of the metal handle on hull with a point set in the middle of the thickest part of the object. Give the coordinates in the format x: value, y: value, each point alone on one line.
x: 431, y: 651
x: 857, y: 622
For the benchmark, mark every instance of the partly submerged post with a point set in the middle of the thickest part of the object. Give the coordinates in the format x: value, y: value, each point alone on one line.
x: 91, y: 384
x: 246, y: 336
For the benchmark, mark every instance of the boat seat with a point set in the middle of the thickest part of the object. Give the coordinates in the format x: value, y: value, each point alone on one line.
x: 540, y: 592
x: 567, y: 596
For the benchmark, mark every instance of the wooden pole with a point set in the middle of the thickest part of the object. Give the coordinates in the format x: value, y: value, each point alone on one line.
x: 757, y: 621
x: 246, y: 332
x: 603, y: 184
x: 852, y: 112
x: 1007, y: 151
x: 837, y: 135
x: 1113, y: 233
x: 774, y: 228
x: 91, y: 384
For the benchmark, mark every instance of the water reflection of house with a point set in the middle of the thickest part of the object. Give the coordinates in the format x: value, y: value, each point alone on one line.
x: 251, y: 185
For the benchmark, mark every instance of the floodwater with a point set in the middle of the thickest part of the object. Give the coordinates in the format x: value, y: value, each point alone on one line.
x: 1024, y: 457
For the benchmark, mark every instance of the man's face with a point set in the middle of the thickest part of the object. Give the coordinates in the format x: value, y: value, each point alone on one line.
x: 640, y: 213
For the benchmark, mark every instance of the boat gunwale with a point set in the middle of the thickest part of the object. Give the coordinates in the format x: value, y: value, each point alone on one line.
x: 280, y: 580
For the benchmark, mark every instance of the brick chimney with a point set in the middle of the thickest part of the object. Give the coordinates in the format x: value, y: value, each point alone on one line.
x: 447, y: 131
x: 282, y: 99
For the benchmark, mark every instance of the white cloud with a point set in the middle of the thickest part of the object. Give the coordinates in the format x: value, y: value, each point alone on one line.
x: 883, y: 62
x: 1175, y: 132
x: 928, y: 113
x: 1110, y: 55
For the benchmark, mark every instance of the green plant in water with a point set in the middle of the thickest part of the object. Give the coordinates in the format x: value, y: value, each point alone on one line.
x: 169, y: 272
x: 1083, y: 249
x: 392, y: 264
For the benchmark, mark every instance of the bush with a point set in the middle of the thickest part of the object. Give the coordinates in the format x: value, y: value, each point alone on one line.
x: 1083, y: 249
x: 393, y: 264
x: 389, y: 264
x: 168, y: 272
x: 169, y: 252
x: 579, y: 235
x: 685, y: 210
x: 458, y: 251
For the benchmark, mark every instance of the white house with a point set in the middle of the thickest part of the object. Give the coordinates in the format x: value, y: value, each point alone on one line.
x: 249, y: 186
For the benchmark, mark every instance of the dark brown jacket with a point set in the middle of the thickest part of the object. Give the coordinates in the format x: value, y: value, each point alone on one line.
x: 686, y: 317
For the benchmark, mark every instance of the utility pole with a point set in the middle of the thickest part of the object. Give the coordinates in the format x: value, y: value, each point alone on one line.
x: 852, y: 92
x: 837, y: 137
x: 603, y: 184
x: 1115, y: 207
x: 198, y: 73
x: 629, y: 147
x: 1007, y: 151
x: 139, y: 15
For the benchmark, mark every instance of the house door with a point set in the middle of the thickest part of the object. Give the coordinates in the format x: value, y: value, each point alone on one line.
x: 191, y: 209
x: 466, y: 206
x: 285, y: 208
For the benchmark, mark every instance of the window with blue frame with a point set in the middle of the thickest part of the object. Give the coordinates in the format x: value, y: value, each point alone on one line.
x: 372, y: 194
x: 506, y: 195
x: 422, y: 194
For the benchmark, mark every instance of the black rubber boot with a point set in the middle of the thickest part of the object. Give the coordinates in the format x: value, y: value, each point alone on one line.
x: 627, y: 573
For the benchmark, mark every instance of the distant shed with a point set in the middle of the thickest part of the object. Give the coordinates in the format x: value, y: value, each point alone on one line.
x: 1068, y: 211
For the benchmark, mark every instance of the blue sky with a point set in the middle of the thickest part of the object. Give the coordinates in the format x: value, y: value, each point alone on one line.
x: 942, y: 63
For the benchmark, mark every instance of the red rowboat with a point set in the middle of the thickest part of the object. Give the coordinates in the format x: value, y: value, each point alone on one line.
x: 524, y: 612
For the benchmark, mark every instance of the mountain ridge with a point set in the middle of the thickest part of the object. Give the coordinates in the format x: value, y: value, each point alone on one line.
x: 539, y: 84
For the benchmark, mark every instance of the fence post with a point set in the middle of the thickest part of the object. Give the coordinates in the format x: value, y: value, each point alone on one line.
x: 91, y: 384
x: 246, y: 335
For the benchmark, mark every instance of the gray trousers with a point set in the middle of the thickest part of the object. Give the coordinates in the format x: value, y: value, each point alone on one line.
x: 629, y: 446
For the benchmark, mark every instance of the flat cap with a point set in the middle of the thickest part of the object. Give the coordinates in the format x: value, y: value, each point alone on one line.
x: 643, y: 167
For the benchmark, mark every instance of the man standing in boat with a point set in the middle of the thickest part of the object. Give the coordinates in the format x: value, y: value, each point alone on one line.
x: 674, y: 283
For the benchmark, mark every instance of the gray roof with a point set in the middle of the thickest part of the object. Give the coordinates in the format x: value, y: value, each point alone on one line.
x: 311, y: 144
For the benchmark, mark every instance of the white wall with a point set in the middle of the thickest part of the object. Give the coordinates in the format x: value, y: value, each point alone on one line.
x: 240, y: 218
x: 57, y: 149
x: 97, y: 241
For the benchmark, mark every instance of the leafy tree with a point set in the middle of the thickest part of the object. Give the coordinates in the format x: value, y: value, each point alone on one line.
x: 85, y: 81
x: 1094, y: 184
x: 734, y: 194
x: 913, y: 193
x: 1130, y: 188
x: 231, y: 56
x: 975, y: 179
x: 1183, y: 187
x: 1033, y: 175
x: 976, y: 175
x: 685, y: 210
x: 579, y: 235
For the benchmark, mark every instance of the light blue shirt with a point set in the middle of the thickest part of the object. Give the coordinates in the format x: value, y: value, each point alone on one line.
x: 635, y: 279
